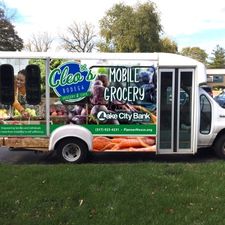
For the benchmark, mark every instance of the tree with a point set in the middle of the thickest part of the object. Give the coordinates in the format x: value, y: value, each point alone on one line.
x: 168, y: 45
x: 130, y: 29
x: 80, y: 38
x: 40, y: 42
x: 218, y: 58
x: 10, y: 14
x: 195, y: 53
x: 9, y: 40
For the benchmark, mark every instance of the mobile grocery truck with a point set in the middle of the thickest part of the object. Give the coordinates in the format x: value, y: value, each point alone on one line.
x: 75, y: 103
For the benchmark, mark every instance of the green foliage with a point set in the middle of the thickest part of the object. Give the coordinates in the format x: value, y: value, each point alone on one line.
x: 55, y: 63
x: 218, y: 58
x: 127, y: 29
x: 168, y: 45
x: 102, y: 70
x: 9, y: 40
x: 195, y: 53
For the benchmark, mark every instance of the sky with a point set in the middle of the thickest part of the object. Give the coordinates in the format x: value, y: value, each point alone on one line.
x: 193, y: 23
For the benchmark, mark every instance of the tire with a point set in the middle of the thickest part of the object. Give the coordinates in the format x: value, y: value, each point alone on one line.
x: 219, y: 147
x: 72, y: 150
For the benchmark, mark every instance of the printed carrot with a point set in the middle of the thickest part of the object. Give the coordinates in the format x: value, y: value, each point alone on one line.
x: 118, y: 140
x: 135, y: 143
x: 120, y: 143
x: 99, y: 143
x: 146, y: 149
x: 108, y: 146
x: 153, y: 117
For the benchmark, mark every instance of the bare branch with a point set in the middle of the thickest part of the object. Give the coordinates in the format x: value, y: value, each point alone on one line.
x: 40, y: 42
x: 79, y: 38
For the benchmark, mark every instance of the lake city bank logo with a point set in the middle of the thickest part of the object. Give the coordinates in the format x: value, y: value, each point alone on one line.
x: 71, y: 81
x: 102, y: 116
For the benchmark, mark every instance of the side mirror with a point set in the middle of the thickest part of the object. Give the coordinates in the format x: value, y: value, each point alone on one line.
x: 33, y: 84
x: 7, y: 96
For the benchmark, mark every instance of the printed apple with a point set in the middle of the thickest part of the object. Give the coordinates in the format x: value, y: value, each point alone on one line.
x: 54, y: 113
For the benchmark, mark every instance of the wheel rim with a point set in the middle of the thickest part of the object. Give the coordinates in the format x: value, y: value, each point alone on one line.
x: 71, y: 152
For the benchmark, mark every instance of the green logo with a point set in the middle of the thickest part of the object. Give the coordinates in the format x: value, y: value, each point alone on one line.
x: 71, y: 81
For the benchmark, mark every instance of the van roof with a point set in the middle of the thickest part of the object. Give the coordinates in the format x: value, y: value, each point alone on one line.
x: 158, y: 59
x: 161, y: 58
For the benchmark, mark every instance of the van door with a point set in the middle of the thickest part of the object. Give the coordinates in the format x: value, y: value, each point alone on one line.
x: 175, y: 110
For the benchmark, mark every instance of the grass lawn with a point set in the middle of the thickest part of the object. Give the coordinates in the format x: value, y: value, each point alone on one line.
x: 125, y: 193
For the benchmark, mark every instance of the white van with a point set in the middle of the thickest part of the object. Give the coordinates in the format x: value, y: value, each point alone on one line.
x: 75, y: 103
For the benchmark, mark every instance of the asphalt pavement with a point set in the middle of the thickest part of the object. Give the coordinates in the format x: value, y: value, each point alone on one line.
x: 30, y: 157
x: 23, y: 157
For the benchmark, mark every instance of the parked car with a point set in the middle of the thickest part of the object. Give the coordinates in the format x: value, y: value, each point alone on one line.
x: 220, y: 99
x: 208, y: 89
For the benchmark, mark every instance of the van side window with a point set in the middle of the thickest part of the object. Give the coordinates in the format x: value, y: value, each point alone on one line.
x: 205, y: 115
x: 6, y: 84
x: 33, y: 84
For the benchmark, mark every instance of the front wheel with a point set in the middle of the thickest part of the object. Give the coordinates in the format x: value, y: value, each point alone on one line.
x: 72, y: 150
x: 219, y: 147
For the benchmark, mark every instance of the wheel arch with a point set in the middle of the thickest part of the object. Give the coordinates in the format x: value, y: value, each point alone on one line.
x: 220, y: 134
x: 70, y: 131
x: 219, y: 144
x: 69, y: 138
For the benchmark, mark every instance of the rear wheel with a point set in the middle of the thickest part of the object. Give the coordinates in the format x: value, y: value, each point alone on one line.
x: 219, y: 146
x: 72, y: 150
